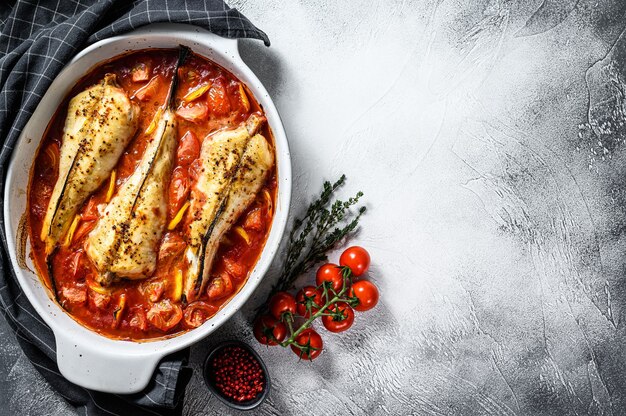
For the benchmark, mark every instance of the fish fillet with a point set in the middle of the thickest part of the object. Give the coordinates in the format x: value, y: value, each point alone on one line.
x: 124, y: 243
x: 100, y: 122
x: 235, y: 165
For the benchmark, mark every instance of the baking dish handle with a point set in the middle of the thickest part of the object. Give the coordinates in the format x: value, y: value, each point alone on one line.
x: 98, y: 366
x: 189, y: 34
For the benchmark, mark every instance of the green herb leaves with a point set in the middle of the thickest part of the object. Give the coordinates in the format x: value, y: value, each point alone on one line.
x: 325, y: 223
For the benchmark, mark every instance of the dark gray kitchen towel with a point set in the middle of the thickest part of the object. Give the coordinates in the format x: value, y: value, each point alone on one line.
x: 37, y: 38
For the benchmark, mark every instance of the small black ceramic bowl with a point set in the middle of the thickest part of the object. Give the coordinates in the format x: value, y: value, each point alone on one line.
x: 209, y: 379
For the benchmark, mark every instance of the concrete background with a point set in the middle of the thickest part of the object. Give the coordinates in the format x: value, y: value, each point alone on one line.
x: 488, y: 137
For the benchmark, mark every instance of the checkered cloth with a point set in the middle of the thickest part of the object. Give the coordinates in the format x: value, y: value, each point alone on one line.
x: 37, y: 38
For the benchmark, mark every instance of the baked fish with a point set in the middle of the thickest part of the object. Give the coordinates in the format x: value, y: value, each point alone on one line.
x: 235, y: 165
x: 124, y: 243
x: 100, y: 122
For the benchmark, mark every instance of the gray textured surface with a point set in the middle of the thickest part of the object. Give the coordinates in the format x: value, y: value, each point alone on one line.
x: 489, y: 138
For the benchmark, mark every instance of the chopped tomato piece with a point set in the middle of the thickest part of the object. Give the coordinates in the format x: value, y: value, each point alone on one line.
x: 179, y: 190
x: 83, y: 229
x: 138, y: 320
x: 141, y: 72
x: 75, y: 264
x: 194, y: 113
x: 172, y: 245
x: 91, y: 211
x: 153, y: 289
x: 165, y: 315
x: 127, y: 164
x: 235, y: 269
x: 75, y: 295
x: 254, y: 221
x: 197, y: 313
x: 195, y: 170
x: 217, y: 99
x: 149, y: 90
x: 99, y: 300
x: 188, y: 149
x: 220, y: 287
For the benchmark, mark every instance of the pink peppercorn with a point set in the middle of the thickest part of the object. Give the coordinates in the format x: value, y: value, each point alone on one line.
x: 237, y: 374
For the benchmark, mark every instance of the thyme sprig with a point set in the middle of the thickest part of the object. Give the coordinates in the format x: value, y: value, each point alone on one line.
x: 325, y: 223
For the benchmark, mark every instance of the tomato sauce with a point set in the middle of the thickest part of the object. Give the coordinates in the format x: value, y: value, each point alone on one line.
x: 209, y: 98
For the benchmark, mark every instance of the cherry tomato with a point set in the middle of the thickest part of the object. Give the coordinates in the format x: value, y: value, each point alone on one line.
x: 366, y: 293
x: 330, y: 273
x: 309, y: 344
x: 282, y: 303
x: 197, y: 313
x: 269, y: 331
x: 220, y: 287
x: 217, y: 99
x: 188, y: 149
x: 341, y: 317
x: 357, y: 259
x: 309, y: 300
x: 165, y: 315
x: 179, y: 190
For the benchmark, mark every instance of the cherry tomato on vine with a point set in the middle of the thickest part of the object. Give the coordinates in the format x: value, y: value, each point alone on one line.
x: 309, y: 344
x: 357, y: 259
x: 366, y: 293
x: 282, y: 303
x: 332, y: 273
x: 340, y: 319
x: 309, y: 300
x: 269, y: 331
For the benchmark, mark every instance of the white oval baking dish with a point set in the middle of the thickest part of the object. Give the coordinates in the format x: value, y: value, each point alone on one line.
x: 85, y: 357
